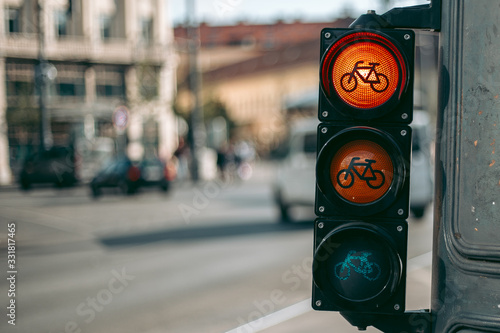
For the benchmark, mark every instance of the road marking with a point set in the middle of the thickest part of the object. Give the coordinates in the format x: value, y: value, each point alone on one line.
x: 304, y: 306
x: 275, y: 318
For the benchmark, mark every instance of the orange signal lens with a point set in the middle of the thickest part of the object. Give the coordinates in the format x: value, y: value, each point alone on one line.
x: 365, y: 75
x: 365, y: 70
x: 361, y: 171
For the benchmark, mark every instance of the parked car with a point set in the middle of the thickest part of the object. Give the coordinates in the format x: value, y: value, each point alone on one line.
x: 58, y: 165
x: 121, y: 173
x: 155, y: 172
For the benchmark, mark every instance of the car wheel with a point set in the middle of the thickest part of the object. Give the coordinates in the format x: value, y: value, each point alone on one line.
x: 124, y: 187
x: 96, y: 191
x: 67, y: 180
x: 418, y: 212
x: 284, y: 208
x: 285, y: 214
x: 165, y: 186
x: 25, y: 184
x: 127, y: 188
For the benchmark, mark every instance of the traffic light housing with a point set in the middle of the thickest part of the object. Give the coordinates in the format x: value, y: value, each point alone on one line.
x: 366, y: 75
x: 359, y: 266
x: 363, y: 170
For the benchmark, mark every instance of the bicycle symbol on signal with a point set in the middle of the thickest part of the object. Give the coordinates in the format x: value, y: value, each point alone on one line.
x: 360, y: 264
x: 378, y: 81
x: 374, y: 178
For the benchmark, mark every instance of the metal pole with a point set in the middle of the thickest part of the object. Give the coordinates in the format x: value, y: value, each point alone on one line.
x: 41, y: 82
x: 197, y: 136
x: 466, y: 254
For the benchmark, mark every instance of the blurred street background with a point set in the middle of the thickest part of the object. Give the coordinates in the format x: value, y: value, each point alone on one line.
x: 152, y: 156
x: 231, y: 264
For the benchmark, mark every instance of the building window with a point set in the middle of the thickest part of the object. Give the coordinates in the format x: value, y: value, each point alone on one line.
x: 70, y: 89
x: 110, y: 82
x: 19, y: 88
x: 105, y: 24
x: 13, y: 20
x: 147, y: 30
x: 69, y: 82
x: 61, y: 23
x: 109, y: 90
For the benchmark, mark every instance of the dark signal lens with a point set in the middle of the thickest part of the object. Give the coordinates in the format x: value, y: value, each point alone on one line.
x: 358, y: 264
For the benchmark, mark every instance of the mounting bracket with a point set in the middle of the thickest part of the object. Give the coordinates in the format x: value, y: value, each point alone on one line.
x: 426, y: 17
x: 408, y: 322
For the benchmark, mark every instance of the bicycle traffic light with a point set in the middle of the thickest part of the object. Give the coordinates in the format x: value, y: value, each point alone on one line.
x: 362, y: 170
x: 366, y: 75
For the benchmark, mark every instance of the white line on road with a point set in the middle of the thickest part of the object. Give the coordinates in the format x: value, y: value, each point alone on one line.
x: 274, y: 318
x: 304, y: 306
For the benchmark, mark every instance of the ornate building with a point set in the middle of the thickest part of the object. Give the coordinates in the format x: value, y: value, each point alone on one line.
x: 101, y: 56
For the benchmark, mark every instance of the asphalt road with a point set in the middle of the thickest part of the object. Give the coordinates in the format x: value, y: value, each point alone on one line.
x: 205, y: 258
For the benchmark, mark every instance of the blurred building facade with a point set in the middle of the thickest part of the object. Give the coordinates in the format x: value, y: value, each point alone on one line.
x: 255, y: 71
x: 104, y: 55
x: 265, y: 75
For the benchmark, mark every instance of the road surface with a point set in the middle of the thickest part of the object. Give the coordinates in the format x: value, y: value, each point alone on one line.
x: 205, y: 258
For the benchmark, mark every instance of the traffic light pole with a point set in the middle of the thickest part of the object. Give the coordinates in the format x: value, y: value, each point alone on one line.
x: 466, y: 268
x: 196, y: 135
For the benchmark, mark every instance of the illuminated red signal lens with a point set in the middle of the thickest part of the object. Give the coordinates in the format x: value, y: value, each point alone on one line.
x: 361, y: 171
x: 364, y: 70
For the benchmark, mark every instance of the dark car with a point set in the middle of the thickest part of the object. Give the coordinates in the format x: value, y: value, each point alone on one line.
x: 58, y: 165
x: 121, y: 173
x: 155, y: 172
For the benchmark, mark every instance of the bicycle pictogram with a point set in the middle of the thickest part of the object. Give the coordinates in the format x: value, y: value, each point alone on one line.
x: 360, y: 264
x: 374, y: 178
x: 368, y: 74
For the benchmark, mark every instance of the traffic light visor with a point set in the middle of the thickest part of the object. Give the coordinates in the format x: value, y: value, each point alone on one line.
x: 364, y: 70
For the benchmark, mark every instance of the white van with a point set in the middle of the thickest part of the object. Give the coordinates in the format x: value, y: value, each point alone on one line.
x: 296, y: 178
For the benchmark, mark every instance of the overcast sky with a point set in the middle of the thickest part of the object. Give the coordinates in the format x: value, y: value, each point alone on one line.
x: 219, y: 12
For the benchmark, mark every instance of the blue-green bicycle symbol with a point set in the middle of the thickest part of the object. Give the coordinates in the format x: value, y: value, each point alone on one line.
x: 360, y: 264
